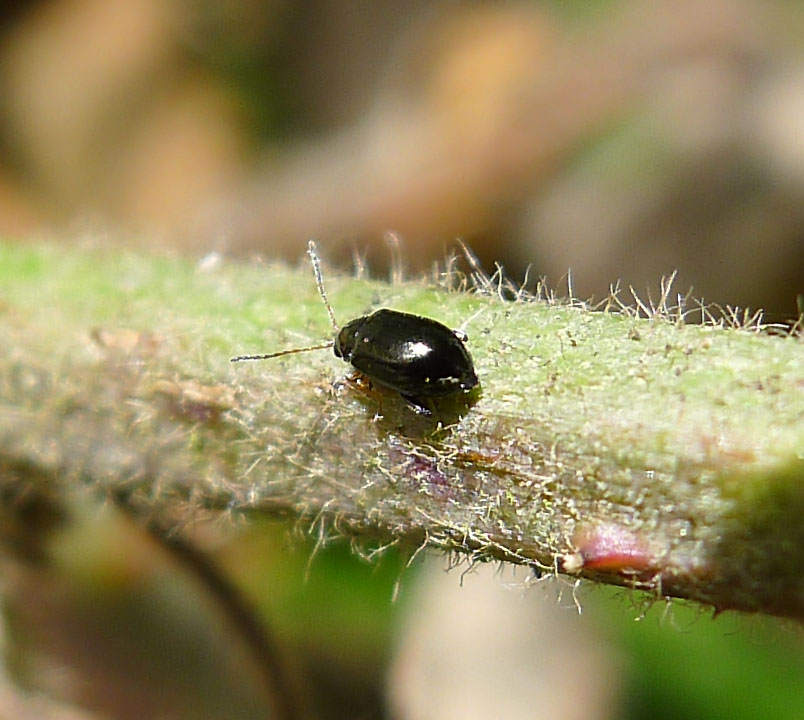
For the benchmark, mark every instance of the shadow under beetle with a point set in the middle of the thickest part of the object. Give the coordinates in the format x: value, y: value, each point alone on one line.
x: 418, y: 357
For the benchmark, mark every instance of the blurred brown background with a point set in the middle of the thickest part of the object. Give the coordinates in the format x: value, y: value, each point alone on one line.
x: 623, y: 140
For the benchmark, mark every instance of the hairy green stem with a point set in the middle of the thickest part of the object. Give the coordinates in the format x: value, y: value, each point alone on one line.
x: 625, y: 447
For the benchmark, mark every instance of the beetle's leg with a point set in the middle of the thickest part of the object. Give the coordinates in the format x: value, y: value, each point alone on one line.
x: 362, y: 384
x: 419, y: 405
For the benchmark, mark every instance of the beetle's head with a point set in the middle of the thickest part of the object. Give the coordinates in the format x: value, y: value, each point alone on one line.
x: 345, y: 340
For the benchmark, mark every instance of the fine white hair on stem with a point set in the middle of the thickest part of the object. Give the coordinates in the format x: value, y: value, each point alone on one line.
x: 393, y: 241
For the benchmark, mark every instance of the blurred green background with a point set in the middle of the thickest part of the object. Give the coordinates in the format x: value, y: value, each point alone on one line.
x: 117, y: 625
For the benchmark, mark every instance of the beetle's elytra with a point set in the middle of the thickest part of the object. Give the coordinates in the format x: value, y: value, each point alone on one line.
x: 418, y: 357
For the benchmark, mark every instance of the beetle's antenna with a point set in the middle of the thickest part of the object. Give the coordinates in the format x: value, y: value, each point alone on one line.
x: 242, y: 358
x: 319, y: 280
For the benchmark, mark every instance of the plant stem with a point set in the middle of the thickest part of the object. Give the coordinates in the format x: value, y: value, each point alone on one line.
x: 639, y: 451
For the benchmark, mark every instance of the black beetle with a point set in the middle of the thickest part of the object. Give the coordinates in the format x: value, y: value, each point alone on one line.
x: 418, y: 357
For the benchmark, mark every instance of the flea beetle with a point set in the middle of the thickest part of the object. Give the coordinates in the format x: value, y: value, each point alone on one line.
x: 418, y: 357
